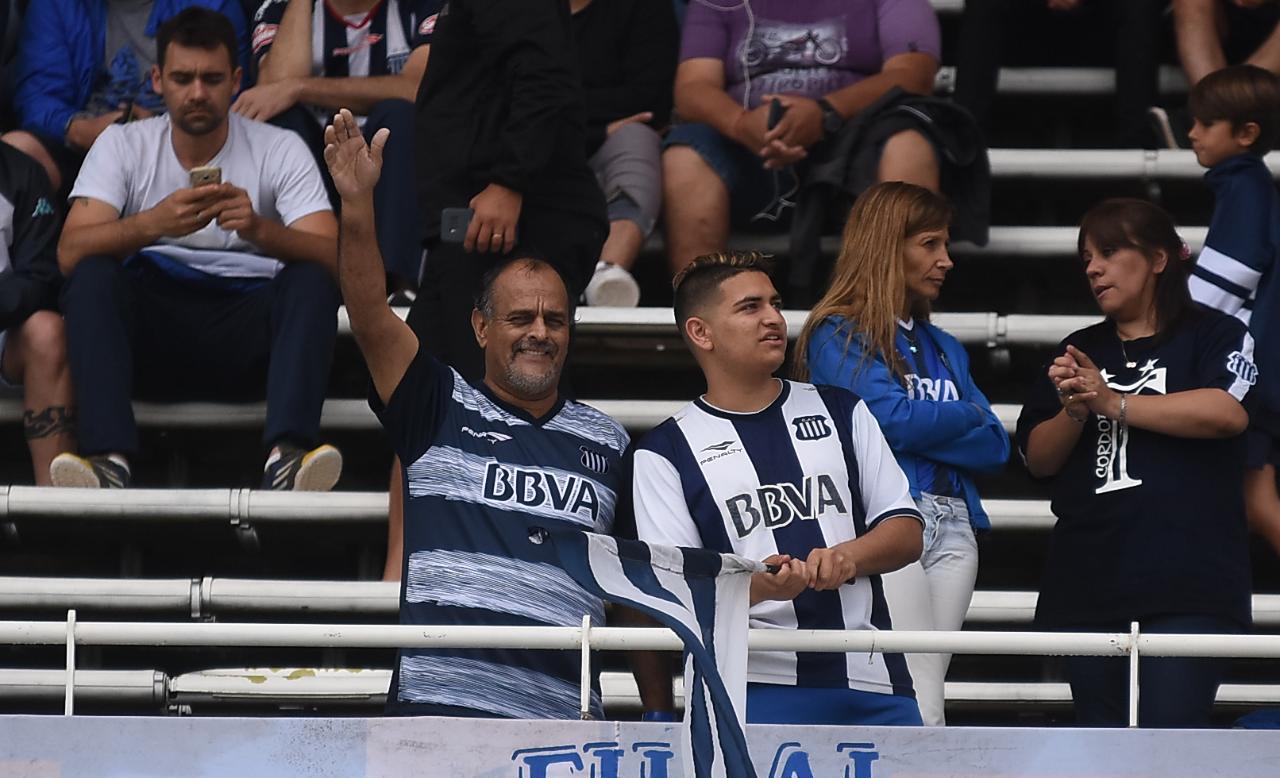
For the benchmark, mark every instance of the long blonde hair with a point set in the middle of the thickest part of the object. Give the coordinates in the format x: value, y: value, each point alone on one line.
x: 868, y: 286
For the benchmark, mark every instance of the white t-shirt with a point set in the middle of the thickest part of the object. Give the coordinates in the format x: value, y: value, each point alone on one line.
x: 132, y: 167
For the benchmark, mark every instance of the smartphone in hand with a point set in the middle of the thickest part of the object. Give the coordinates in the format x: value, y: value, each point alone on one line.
x: 202, y: 176
x: 776, y: 110
x: 454, y: 223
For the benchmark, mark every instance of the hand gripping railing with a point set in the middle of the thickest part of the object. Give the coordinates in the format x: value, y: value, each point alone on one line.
x: 586, y: 637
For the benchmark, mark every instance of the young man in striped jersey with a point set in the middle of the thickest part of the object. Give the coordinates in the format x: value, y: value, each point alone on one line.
x: 485, y: 466
x: 793, y: 474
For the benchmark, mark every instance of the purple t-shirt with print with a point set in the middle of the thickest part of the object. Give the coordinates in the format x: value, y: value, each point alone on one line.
x: 805, y: 47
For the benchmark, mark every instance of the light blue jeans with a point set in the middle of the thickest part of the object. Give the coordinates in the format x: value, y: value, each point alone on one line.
x: 934, y: 593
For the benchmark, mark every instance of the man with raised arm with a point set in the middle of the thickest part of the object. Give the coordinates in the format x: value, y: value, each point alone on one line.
x: 485, y: 465
x: 792, y: 474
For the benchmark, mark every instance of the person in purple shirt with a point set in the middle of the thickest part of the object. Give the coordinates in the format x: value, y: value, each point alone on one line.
x: 825, y: 62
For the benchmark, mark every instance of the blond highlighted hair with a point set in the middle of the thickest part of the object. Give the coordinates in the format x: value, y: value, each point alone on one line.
x: 868, y: 286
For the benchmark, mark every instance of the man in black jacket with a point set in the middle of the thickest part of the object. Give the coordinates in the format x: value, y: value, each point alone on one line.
x: 500, y: 129
x: 33, y: 351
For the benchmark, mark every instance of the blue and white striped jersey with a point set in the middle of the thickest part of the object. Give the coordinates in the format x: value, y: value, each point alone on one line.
x: 1235, y: 272
x: 810, y: 471
x: 479, y: 475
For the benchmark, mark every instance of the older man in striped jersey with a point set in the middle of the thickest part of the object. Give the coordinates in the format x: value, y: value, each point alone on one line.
x: 486, y: 467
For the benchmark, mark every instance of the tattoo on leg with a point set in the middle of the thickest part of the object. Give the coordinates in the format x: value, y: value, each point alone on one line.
x: 54, y: 420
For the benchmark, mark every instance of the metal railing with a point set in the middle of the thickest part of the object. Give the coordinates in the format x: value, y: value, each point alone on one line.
x: 1133, y: 644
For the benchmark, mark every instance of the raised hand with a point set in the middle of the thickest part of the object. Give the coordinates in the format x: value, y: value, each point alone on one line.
x: 353, y: 164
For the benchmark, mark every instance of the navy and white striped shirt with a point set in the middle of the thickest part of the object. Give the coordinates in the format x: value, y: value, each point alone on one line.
x: 479, y: 475
x: 810, y: 471
x: 1235, y: 272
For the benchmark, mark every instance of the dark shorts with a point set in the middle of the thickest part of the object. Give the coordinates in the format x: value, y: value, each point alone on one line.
x: 756, y: 195
x: 67, y: 159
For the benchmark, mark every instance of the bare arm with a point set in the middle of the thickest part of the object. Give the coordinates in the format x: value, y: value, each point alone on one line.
x: 1194, y: 413
x: 94, y: 227
x: 893, y: 543
x: 1050, y: 444
x: 361, y: 94
x: 388, y: 345
x: 1195, y: 25
x: 266, y: 101
x: 290, y: 54
x: 913, y: 71
x: 313, y: 238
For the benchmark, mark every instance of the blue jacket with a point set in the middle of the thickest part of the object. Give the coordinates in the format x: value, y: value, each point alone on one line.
x: 1235, y: 272
x: 63, y: 48
x: 965, y: 434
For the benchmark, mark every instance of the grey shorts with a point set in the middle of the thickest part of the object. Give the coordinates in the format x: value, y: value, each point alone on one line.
x: 628, y: 167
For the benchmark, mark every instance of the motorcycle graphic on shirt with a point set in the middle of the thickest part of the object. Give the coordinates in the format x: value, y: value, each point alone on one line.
x: 1111, y: 463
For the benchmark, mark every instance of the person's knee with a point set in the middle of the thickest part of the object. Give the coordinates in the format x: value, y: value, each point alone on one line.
x: 44, y: 340
x: 93, y: 277
x: 687, y: 178
x: 909, y: 156
x: 309, y: 284
x: 31, y: 146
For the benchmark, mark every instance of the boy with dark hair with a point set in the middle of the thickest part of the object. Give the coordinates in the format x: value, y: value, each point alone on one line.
x: 797, y: 475
x: 1237, y: 119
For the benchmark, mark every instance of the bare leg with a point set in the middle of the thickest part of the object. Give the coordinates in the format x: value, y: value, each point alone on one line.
x: 27, y: 144
x: 395, y: 525
x: 1262, y: 504
x: 36, y: 354
x: 623, y: 244
x: 1198, y: 27
x: 695, y: 206
x: 908, y: 156
x: 1268, y: 54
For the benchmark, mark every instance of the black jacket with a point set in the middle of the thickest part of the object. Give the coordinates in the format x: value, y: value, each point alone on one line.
x: 501, y: 103
x: 627, y: 51
x: 841, y: 167
x: 29, y: 223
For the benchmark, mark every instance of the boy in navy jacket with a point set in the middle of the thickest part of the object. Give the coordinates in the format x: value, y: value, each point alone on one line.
x: 1237, y: 120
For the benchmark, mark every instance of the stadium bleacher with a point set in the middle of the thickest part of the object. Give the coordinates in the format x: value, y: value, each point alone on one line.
x: 179, y: 553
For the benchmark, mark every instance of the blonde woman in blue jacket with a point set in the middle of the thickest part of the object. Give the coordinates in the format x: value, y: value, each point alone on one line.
x: 870, y: 333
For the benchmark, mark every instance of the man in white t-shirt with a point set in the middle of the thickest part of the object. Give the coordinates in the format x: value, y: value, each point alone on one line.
x: 199, y: 292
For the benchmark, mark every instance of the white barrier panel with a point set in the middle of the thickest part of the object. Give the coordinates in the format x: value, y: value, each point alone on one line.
x: 47, y: 747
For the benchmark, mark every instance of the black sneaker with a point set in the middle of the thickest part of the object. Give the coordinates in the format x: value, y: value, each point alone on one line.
x: 298, y: 470
x: 96, y: 472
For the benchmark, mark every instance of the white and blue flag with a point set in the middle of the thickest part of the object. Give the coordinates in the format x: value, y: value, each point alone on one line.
x: 703, y: 596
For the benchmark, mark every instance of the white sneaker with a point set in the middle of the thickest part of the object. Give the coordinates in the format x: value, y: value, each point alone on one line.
x: 612, y: 286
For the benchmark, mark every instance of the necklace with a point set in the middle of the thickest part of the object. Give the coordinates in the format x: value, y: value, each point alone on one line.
x: 1128, y: 363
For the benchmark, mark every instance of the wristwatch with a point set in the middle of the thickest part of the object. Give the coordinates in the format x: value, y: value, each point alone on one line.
x: 832, y: 121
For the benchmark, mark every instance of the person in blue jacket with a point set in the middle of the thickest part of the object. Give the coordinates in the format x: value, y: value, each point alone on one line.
x: 870, y: 333
x: 84, y: 65
x: 1237, y: 121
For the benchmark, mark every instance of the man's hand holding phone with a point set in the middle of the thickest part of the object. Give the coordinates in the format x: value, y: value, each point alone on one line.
x: 186, y: 211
